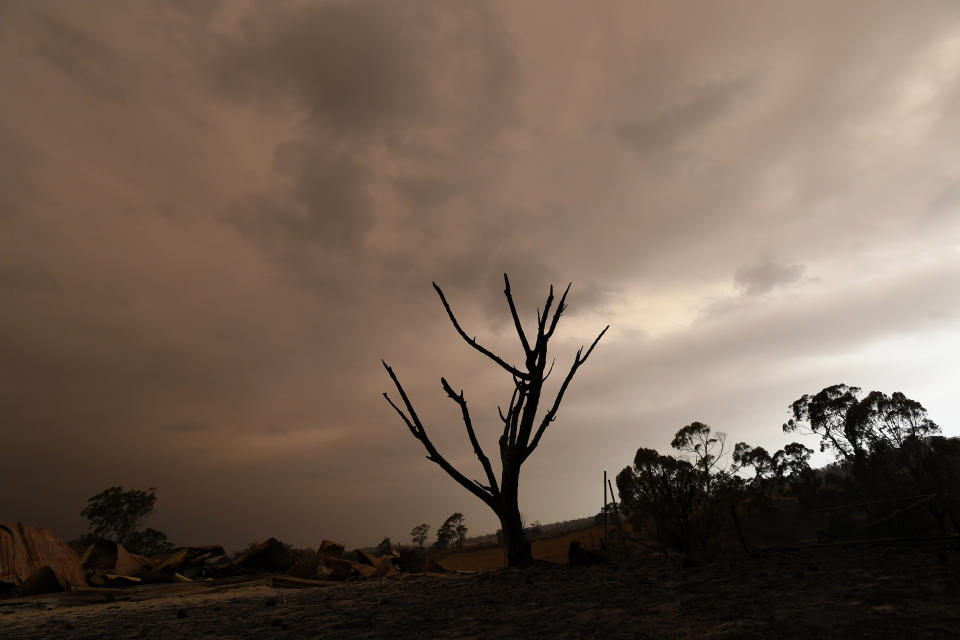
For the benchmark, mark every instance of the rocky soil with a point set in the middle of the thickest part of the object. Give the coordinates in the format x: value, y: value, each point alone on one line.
x: 857, y: 591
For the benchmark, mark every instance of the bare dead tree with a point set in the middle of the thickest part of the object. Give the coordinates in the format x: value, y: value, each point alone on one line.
x: 522, y: 430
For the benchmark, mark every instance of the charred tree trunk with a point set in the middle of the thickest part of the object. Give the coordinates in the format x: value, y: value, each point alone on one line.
x: 515, y: 541
x: 522, y: 428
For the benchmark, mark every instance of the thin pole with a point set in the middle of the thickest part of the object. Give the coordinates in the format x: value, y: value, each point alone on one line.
x: 604, y: 508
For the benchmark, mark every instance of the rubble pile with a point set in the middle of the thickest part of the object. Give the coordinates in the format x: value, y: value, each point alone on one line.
x: 34, y: 561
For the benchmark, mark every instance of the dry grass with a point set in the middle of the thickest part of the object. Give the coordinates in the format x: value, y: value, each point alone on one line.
x: 553, y: 549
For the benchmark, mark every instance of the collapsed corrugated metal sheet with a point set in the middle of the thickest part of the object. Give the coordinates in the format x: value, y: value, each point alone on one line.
x: 109, y: 557
x: 385, y: 568
x: 337, y: 569
x: 190, y: 562
x: 270, y: 555
x: 25, y: 550
x: 331, y: 548
x: 172, y: 560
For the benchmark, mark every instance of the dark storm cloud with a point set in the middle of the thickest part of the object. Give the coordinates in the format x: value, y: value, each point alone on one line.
x: 16, y: 164
x: 686, y: 120
x: 351, y: 65
x: 763, y: 276
x: 216, y: 218
x: 327, y: 204
x: 28, y: 277
x: 424, y: 191
x: 397, y: 105
x: 92, y: 64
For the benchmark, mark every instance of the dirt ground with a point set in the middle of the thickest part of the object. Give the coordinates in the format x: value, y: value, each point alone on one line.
x: 824, y: 592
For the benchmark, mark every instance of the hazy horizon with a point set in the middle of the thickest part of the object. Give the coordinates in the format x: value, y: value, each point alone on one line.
x: 217, y: 217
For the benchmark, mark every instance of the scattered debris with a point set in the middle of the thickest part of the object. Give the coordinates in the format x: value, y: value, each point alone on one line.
x: 34, y: 562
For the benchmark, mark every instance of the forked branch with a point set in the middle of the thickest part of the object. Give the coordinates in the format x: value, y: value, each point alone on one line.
x: 561, y: 307
x: 468, y: 423
x: 551, y: 415
x: 416, y: 428
x: 516, y: 319
x: 473, y: 342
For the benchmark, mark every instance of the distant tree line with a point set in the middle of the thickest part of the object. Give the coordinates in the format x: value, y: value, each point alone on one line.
x: 886, y: 448
x: 453, y: 532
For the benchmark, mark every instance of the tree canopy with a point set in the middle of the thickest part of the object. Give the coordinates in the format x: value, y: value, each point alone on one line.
x: 419, y: 533
x: 116, y: 514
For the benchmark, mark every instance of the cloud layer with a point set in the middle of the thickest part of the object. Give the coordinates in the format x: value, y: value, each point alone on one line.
x: 216, y: 218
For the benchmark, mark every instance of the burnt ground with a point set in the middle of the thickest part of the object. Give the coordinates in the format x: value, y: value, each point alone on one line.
x: 856, y: 591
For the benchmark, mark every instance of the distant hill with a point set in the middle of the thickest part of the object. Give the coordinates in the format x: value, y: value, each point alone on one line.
x: 546, y: 530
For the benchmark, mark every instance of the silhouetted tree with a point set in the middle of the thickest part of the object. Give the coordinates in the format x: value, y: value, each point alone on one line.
x: 855, y: 428
x: 419, y: 533
x: 705, y: 447
x: 669, y: 491
x: 446, y: 534
x: 452, y: 530
x: 115, y: 514
x: 888, y: 443
x: 686, y: 498
x: 522, y: 429
x: 942, y: 468
x: 461, y: 530
x: 770, y: 474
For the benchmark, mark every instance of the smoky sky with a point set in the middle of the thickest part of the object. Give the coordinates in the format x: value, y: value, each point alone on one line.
x: 217, y: 217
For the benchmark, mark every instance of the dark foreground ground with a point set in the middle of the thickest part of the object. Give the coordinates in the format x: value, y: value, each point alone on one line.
x: 828, y: 592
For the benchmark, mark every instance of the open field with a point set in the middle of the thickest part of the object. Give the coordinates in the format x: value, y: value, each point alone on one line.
x: 490, y: 557
x: 840, y: 591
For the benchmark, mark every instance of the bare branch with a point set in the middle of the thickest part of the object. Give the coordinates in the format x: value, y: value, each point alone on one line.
x: 551, y: 370
x: 522, y: 395
x: 416, y: 427
x: 552, y: 413
x: 473, y: 342
x: 542, y: 319
x: 561, y: 307
x: 413, y: 429
x: 516, y: 317
x: 468, y: 423
x: 510, y: 407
